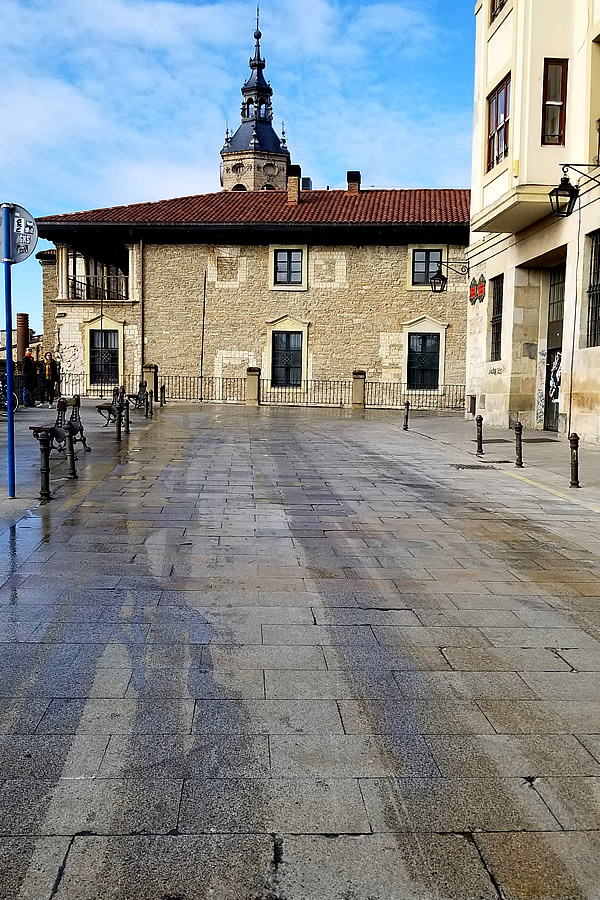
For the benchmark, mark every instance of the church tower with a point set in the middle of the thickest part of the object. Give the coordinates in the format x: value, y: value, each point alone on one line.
x: 255, y: 158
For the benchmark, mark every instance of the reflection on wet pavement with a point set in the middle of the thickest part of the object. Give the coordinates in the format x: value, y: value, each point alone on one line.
x: 286, y: 655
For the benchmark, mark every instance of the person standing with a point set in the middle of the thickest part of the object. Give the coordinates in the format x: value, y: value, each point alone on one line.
x: 49, y: 377
x: 29, y: 373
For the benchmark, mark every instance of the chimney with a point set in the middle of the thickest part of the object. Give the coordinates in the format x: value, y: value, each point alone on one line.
x: 354, y: 180
x: 307, y: 184
x: 22, y: 334
x: 294, y: 177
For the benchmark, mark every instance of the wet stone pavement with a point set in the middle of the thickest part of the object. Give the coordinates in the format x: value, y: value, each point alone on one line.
x: 287, y: 654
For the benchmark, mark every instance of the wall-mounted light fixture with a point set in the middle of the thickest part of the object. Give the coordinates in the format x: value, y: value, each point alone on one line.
x: 439, y: 281
x: 563, y: 199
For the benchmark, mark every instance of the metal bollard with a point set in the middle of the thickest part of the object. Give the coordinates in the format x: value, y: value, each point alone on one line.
x: 406, y: 412
x: 519, y: 444
x: 479, y: 421
x: 147, y: 411
x: 163, y: 395
x: 45, y: 441
x: 69, y: 438
x: 151, y: 404
x: 574, y: 442
x: 119, y: 421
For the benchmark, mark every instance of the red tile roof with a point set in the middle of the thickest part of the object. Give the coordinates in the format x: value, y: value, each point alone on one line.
x: 370, y: 207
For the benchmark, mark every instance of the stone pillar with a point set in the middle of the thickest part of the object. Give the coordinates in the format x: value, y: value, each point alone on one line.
x: 22, y: 334
x: 253, y: 386
x: 358, y: 389
x: 62, y: 261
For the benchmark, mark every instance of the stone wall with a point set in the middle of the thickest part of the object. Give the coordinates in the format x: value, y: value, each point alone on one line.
x: 357, y: 301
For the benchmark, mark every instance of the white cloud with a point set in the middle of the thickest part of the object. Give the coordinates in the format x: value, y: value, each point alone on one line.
x: 115, y: 101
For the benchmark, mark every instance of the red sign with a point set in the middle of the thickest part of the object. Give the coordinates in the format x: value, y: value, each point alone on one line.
x: 481, y: 288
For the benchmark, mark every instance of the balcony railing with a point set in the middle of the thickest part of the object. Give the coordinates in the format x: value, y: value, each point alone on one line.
x: 90, y: 288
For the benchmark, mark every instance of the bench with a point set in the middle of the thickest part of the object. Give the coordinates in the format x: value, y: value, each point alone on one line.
x: 139, y: 399
x: 110, y: 410
x: 57, y: 429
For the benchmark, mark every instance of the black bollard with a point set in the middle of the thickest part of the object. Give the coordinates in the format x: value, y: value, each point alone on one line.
x: 45, y: 441
x: 151, y: 404
x: 127, y: 421
x: 69, y: 441
x: 147, y: 412
x: 119, y: 420
x: 479, y: 421
x: 574, y: 442
x: 519, y: 444
x: 406, y: 412
x: 163, y: 395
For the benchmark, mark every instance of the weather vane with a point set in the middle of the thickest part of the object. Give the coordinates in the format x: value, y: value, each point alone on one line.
x: 257, y: 17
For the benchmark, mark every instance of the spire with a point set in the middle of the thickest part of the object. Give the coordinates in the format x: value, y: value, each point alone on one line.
x: 256, y: 134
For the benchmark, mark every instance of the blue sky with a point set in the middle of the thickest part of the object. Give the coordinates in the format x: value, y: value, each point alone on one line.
x: 116, y: 101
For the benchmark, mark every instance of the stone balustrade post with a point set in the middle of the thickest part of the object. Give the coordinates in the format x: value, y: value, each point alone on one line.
x: 253, y: 386
x: 359, y: 378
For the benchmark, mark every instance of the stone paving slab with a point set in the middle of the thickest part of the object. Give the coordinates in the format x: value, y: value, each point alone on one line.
x: 282, y: 638
x: 443, y: 805
x: 273, y: 805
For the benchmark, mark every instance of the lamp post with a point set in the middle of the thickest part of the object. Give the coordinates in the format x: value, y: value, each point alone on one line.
x: 439, y: 281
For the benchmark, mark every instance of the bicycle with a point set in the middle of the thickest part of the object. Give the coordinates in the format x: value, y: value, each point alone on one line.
x: 3, y: 404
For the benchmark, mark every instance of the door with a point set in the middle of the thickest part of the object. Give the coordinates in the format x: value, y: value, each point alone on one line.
x: 556, y: 307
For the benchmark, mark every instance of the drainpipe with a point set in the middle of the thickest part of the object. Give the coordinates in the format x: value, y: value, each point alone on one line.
x: 142, y: 303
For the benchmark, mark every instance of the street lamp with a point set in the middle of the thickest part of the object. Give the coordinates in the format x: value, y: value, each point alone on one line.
x: 563, y: 198
x: 439, y: 281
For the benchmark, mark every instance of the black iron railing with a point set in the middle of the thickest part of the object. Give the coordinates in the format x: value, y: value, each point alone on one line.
x: 95, y: 289
x: 208, y: 388
x: 393, y: 395
x: 308, y: 393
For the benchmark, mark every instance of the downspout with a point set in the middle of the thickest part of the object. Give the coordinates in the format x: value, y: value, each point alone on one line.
x: 142, y: 305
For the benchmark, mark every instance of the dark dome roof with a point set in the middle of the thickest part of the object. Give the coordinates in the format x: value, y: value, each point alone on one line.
x: 267, y: 138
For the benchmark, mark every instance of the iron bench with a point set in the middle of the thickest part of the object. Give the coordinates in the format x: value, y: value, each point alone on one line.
x: 110, y: 410
x: 139, y: 399
x: 57, y: 430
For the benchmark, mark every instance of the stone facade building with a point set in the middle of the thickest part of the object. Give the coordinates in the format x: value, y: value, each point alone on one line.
x: 303, y: 284
x: 534, y: 328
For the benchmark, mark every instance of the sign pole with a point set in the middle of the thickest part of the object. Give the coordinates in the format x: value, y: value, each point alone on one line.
x: 7, y: 209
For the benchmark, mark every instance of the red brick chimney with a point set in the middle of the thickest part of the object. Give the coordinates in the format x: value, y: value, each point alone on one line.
x: 354, y: 181
x: 294, y: 178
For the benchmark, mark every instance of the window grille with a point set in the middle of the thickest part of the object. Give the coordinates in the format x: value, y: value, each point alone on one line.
x: 593, y: 329
x: 286, y: 370
x: 497, y: 304
x: 423, y: 361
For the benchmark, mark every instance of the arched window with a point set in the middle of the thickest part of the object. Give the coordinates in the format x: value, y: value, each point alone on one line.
x: 250, y: 109
x: 239, y: 187
x: 262, y: 110
x: 268, y: 187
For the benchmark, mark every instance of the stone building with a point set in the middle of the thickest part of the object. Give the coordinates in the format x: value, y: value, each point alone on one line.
x: 534, y: 320
x: 306, y: 284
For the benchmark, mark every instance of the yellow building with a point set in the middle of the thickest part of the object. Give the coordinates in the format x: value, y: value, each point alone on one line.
x: 533, y: 346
